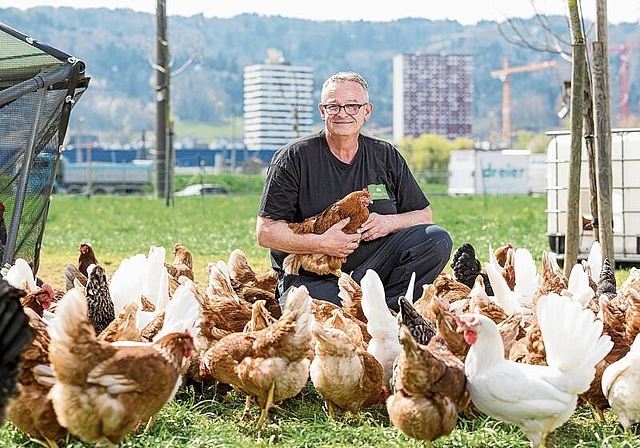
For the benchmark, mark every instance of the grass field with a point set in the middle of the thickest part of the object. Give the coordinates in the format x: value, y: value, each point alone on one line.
x: 119, y: 227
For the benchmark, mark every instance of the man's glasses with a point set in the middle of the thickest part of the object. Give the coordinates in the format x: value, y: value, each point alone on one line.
x: 334, y: 109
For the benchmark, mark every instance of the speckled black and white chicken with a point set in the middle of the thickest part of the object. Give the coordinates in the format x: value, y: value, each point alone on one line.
x: 421, y: 328
x: 100, y: 306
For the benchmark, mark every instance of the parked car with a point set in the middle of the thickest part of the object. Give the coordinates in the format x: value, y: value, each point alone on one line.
x: 202, y: 190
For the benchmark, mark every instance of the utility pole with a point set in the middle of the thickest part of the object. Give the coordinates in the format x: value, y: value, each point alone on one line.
x: 162, y: 98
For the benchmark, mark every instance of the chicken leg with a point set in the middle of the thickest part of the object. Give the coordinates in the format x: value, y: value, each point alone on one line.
x: 267, y: 406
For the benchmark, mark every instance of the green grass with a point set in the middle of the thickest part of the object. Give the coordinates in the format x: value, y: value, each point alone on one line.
x: 212, y: 227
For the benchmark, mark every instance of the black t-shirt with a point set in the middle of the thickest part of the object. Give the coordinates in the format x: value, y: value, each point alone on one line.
x: 304, y: 178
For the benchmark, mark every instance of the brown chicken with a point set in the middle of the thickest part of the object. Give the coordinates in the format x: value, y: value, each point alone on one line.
x: 39, y: 300
x: 447, y: 327
x: 124, y: 327
x: 323, y: 311
x: 32, y: 411
x: 480, y: 303
x: 103, y: 392
x: 349, y: 326
x: 430, y: 389
x: 345, y: 375
x: 502, y: 253
x: 552, y: 279
x: 241, y: 272
x: 449, y: 289
x: 221, y: 309
x: 251, y: 285
x: 350, y: 293
x: 182, y: 265
x: 354, y: 206
x: 260, y: 317
x: 78, y: 271
x: 509, y: 269
x: 269, y: 365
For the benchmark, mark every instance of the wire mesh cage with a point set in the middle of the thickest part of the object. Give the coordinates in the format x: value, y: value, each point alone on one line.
x: 39, y: 85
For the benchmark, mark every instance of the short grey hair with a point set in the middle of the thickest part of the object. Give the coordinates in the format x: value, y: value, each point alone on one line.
x: 347, y: 77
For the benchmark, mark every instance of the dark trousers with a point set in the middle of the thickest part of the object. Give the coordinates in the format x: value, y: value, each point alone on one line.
x: 424, y: 249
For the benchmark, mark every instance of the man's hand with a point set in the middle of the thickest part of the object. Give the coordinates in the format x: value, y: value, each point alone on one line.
x: 377, y: 226
x: 339, y: 244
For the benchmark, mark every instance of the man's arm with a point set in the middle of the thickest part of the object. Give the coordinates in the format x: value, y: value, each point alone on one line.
x: 276, y: 234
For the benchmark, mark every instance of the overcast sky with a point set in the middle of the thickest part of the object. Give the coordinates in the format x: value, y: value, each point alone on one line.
x: 467, y: 12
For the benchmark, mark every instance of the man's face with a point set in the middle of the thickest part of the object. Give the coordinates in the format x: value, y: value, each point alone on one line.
x: 343, y: 123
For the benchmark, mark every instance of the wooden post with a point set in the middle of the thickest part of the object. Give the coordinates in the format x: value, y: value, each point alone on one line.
x: 602, y: 118
x: 574, y: 224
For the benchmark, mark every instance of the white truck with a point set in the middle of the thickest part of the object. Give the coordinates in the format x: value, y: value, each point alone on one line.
x: 625, y: 200
x: 104, y: 177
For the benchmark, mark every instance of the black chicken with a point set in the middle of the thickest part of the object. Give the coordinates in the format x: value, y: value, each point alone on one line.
x: 15, y: 336
x: 3, y: 230
x: 466, y: 267
x: 100, y: 307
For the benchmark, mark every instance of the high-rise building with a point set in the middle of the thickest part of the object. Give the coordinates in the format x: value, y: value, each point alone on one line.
x: 278, y: 103
x: 432, y: 94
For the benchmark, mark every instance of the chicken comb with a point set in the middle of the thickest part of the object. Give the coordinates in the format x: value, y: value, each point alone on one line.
x: 47, y: 287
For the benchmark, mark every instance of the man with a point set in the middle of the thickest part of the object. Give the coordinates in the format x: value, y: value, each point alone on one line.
x: 312, y: 172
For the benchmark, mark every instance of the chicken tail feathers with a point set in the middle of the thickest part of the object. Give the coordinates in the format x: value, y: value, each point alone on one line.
x: 298, y: 307
x: 72, y: 335
x: 572, y: 337
x: 291, y: 264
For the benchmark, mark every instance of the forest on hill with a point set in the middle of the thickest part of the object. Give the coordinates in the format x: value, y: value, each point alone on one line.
x: 208, y: 56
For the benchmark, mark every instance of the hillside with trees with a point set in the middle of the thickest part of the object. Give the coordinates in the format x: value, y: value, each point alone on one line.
x: 208, y: 56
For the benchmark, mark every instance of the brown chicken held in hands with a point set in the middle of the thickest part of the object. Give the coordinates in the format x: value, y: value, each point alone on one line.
x: 430, y: 389
x: 103, y: 392
x: 354, y: 206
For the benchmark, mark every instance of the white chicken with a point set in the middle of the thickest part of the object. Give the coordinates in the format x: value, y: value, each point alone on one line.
x: 20, y: 275
x: 621, y: 384
x: 537, y: 399
x: 381, y: 324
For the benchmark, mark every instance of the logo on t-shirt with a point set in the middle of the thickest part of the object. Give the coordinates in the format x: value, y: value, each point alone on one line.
x: 378, y: 191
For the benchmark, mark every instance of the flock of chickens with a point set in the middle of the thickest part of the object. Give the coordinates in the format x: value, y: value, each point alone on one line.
x: 99, y: 360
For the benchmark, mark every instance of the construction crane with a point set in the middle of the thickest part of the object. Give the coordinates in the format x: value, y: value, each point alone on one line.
x: 623, y: 50
x: 504, y: 75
